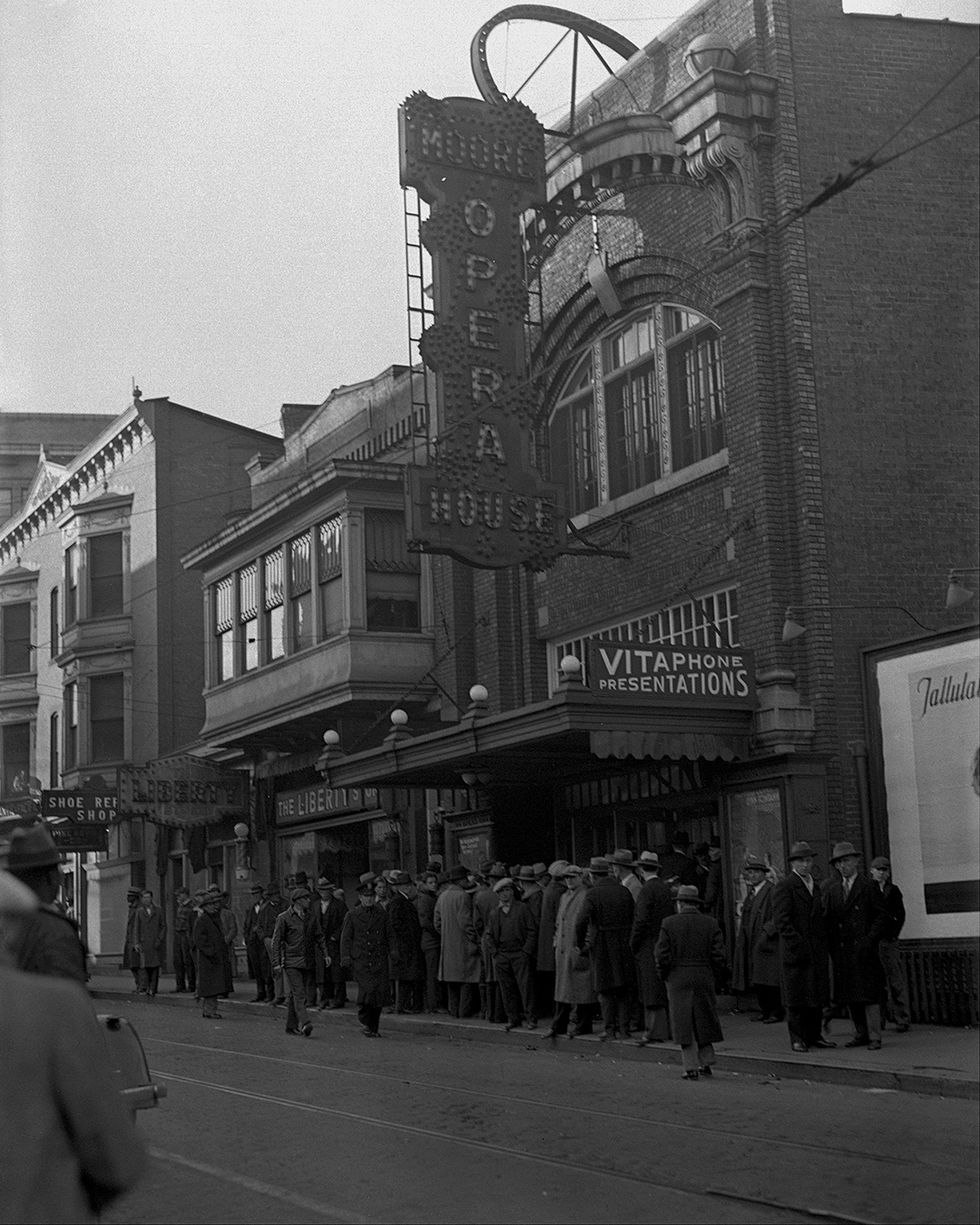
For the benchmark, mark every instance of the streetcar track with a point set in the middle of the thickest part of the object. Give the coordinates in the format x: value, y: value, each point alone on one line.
x: 566, y: 1108
x: 500, y: 1150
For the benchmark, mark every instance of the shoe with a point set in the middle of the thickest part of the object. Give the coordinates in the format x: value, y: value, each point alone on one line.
x: 823, y: 1045
x: 306, y: 1030
x: 705, y: 1070
x: 609, y: 1034
x: 279, y: 1001
x: 763, y: 1019
x: 511, y: 1025
x: 857, y: 1041
x: 801, y: 1048
x: 644, y: 1041
x: 771, y: 1020
x: 532, y: 1024
x: 901, y: 1029
x: 369, y: 1033
x: 691, y: 1075
x: 212, y: 1016
x: 259, y: 999
x: 551, y: 1035
x: 874, y: 1044
x: 291, y: 1030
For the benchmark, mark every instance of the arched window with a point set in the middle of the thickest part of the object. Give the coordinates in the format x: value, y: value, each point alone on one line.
x: 645, y: 401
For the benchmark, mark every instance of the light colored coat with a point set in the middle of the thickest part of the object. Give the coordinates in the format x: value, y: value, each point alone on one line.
x: 573, y: 974
x: 459, y: 952
x: 149, y: 935
x: 63, y: 1119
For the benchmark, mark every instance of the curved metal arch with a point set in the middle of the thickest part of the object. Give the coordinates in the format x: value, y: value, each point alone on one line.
x: 489, y: 90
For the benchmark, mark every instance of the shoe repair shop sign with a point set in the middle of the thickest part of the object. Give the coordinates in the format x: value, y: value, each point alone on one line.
x: 668, y: 675
x: 80, y: 820
x: 480, y: 167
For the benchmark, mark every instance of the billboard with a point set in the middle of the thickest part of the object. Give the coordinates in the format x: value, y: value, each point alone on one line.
x: 928, y: 706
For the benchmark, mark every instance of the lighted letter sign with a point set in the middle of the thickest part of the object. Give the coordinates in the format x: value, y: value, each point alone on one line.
x: 479, y: 167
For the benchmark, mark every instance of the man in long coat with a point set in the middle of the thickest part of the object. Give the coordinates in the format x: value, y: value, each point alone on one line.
x: 653, y: 905
x: 185, y: 970
x: 554, y: 891
x: 484, y: 904
x: 258, y: 958
x: 149, y: 940
x: 690, y: 956
x: 459, y: 950
x: 608, y: 907
x: 47, y: 941
x: 856, y: 921
x: 130, y: 958
x: 330, y: 910
x: 209, y: 941
x: 575, y: 997
x: 364, y: 951
x: 804, y: 978
x: 273, y: 907
x: 512, y: 941
x: 891, y: 963
x: 405, y: 933
x: 425, y: 904
x: 756, y: 965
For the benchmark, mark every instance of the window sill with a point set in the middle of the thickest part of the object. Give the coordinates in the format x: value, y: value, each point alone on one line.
x: 636, y: 497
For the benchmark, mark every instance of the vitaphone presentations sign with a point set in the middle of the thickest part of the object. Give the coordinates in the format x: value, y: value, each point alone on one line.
x: 479, y: 167
x: 674, y: 675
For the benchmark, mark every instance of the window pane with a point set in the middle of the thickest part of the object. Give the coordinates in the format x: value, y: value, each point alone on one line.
x: 392, y: 573
x: 15, y: 747
x: 299, y: 564
x: 301, y: 621
x: 105, y: 575
x: 697, y: 408
x: 330, y: 542
x: 71, y: 726
x: 106, y: 719
x: 54, y: 751
x: 331, y: 607
x: 248, y: 615
x: 71, y: 584
x: 632, y: 431
x: 15, y: 643
x: 224, y: 622
x: 54, y: 628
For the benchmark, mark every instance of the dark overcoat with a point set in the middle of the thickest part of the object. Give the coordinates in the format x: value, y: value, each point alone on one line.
x: 653, y: 905
x: 757, y: 943
x: 608, y: 907
x: 48, y: 943
x: 149, y: 935
x: 804, y: 973
x: 365, y: 947
x: 690, y: 956
x: 209, y: 940
x: 406, y: 938
x: 854, y: 927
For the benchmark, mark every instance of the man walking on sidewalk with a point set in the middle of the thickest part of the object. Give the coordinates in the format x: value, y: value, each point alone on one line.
x: 293, y: 944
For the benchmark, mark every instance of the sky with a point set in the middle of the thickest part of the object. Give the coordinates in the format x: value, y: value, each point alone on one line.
x: 202, y: 195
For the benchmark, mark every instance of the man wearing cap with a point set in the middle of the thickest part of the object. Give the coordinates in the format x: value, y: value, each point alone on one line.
x: 459, y: 950
x: 295, y: 941
x: 575, y: 997
x: 756, y: 966
x: 554, y: 891
x: 209, y: 941
x: 258, y: 958
x: 330, y: 911
x: 365, y: 948
x: 798, y: 914
x: 603, y: 929
x: 653, y: 905
x: 512, y: 940
x: 856, y: 921
x: 149, y: 936
x: 47, y: 941
x: 405, y: 933
x: 897, y: 1005
x: 69, y: 1147
x: 184, y: 970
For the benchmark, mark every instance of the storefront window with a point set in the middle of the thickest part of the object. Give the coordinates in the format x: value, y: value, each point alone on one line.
x: 755, y: 825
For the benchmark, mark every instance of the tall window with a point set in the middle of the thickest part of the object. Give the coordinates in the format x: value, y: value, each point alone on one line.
x: 72, y: 570
x: 15, y: 638
x: 71, y: 726
x: 275, y: 613
x: 224, y: 629
x: 106, y: 722
x: 105, y: 574
x: 54, y: 624
x: 300, y: 595
x: 391, y: 573
x: 15, y: 759
x: 248, y: 615
x: 54, y: 750
x: 330, y: 571
x: 645, y: 401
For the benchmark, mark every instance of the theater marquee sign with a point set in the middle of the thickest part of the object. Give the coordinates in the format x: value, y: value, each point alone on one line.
x: 676, y: 675
x: 479, y: 167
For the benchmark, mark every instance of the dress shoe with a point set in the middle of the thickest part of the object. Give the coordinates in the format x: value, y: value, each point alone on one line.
x: 801, y: 1048
x: 511, y: 1025
x: 823, y: 1045
x: 306, y: 1030
x: 857, y: 1041
x: 691, y: 1075
x: 212, y: 1016
x: 369, y: 1033
x: 705, y: 1070
x: 532, y: 1024
x: 259, y: 999
x: 771, y: 1020
x: 901, y: 1029
x: 874, y: 1044
x: 279, y: 1001
x: 291, y: 1030
x: 760, y: 1017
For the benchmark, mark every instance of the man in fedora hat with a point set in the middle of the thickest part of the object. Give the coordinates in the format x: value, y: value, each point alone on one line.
x: 691, y: 959
x: 330, y: 910
x: 653, y: 905
x: 185, y: 971
x: 405, y: 933
x: 798, y: 914
x: 676, y: 866
x: 48, y: 941
x: 272, y: 907
x: 130, y: 958
x: 255, y: 946
x: 209, y: 941
x: 149, y: 939
x: 295, y: 943
x: 459, y: 950
x: 756, y: 967
x: 425, y: 904
x: 603, y: 929
x: 365, y: 946
x: 856, y: 921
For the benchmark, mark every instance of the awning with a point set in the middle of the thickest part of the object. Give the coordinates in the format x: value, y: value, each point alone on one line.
x: 675, y: 746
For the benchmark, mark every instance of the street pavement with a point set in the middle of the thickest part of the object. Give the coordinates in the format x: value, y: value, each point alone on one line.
x: 421, y: 1126
x: 933, y: 1060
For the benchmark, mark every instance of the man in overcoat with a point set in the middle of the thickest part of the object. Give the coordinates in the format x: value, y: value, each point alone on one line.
x: 273, y: 907
x: 130, y: 958
x: 553, y: 892
x: 47, y: 941
x: 365, y: 947
x: 184, y: 916
x: 258, y: 958
x: 891, y: 963
x: 149, y: 941
x: 459, y: 950
x: 804, y: 975
x: 690, y: 956
x: 653, y: 905
x: 330, y: 911
x: 856, y: 921
x: 425, y: 904
x: 603, y: 929
x: 756, y: 966
x: 575, y: 996
x: 512, y: 941
x: 209, y: 941
x: 405, y: 932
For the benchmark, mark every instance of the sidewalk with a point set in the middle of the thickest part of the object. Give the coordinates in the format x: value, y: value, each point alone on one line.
x: 934, y: 1060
